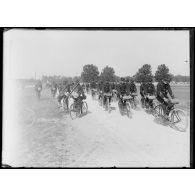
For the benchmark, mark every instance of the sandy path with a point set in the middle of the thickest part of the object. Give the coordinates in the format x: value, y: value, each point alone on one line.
x: 98, y: 139
x: 102, y: 139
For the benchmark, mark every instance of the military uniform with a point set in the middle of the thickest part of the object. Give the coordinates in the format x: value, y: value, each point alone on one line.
x: 106, y: 89
x: 132, y: 88
x: 81, y: 95
x: 143, y: 93
x: 149, y: 90
x: 63, y: 88
x: 162, y: 92
x: 123, y: 89
x: 100, y: 89
x: 93, y: 85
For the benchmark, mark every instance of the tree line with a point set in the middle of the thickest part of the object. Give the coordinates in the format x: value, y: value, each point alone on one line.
x: 91, y: 74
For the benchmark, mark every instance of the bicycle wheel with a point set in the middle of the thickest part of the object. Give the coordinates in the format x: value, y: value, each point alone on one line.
x: 120, y: 107
x: 179, y: 120
x: 158, y: 111
x: 136, y: 102
x: 74, y: 113
x: 105, y: 104
x: 108, y: 105
x: 27, y: 118
x: 152, y: 108
x: 132, y: 104
x: 84, y: 107
x: 64, y: 105
x: 128, y: 109
x: 100, y: 101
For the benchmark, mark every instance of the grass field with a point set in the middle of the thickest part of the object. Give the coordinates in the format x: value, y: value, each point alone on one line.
x: 182, y: 94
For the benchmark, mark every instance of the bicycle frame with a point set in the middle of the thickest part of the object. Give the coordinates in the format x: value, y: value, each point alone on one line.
x: 106, y: 102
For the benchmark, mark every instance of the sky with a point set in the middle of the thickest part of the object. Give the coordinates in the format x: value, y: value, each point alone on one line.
x: 65, y: 52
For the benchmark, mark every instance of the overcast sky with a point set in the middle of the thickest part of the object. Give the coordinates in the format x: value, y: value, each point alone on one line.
x: 65, y: 52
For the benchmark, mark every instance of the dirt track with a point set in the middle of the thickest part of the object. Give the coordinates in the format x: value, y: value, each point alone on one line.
x: 98, y: 139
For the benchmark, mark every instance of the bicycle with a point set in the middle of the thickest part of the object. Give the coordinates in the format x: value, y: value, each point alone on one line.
x: 53, y: 92
x: 124, y: 105
x: 100, y: 98
x: 115, y: 95
x: 93, y: 93
x: 106, y: 103
x: 176, y: 118
x: 78, y: 109
x: 150, y: 104
x: 133, y: 100
x: 64, y: 102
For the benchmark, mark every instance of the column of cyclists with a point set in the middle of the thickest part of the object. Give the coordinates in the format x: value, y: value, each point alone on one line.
x: 125, y: 92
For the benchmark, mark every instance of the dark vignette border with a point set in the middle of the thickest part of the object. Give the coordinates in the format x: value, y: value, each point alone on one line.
x: 191, y: 37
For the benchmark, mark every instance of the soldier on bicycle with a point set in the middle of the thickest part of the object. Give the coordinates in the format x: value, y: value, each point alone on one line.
x: 143, y: 93
x: 149, y: 92
x: 64, y: 90
x: 100, y: 89
x: 163, y: 90
x: 78, y: 95
x: 53, y: 88
x: 106, y: 89
x: 87, y: 87
x: 123, y: 89
x: 132, y: 86
x: 93, y: 87
x: 38, y: 89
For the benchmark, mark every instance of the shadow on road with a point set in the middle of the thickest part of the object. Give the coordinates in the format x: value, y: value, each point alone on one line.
x: 161, y: 121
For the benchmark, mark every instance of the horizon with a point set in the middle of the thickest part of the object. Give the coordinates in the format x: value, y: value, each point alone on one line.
x: 73, y: 77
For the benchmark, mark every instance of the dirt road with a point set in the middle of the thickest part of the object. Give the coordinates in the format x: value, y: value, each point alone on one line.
x: 98, y: 139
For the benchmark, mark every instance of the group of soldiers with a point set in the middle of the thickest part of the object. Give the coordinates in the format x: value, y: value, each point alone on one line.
x: 124, y: 87
x: 66, y: 89
x: 127, y: 87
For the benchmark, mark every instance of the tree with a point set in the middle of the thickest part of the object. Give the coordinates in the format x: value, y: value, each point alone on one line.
x: 90, y: 73
x: 163, y: 73
x: 108, y: 74
x: 144, y: 74
x: 129, y: 78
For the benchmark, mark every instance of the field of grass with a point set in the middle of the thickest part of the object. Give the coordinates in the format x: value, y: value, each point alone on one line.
x: 182, y: 94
